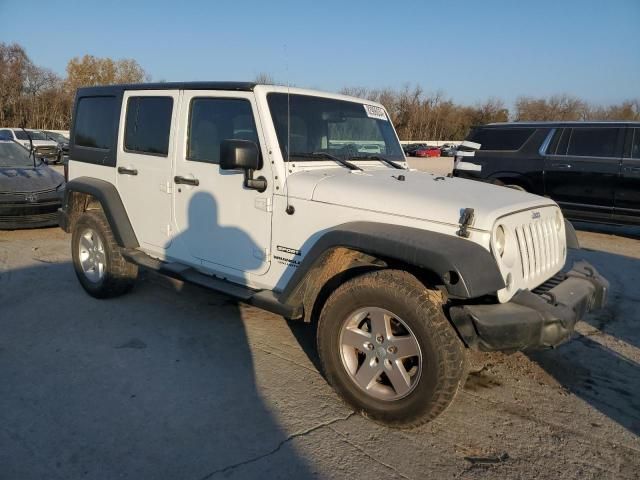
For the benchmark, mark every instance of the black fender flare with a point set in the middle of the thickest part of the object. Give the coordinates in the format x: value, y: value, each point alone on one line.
x: 465, y: 268
x: 109, y: 198
x: 571, y: 235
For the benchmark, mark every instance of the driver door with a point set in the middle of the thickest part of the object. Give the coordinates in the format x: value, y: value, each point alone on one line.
x: 220, y: 224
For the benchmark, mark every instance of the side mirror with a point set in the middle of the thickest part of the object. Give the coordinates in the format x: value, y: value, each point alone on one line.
x: 239, y: 155
x: 243, y: 155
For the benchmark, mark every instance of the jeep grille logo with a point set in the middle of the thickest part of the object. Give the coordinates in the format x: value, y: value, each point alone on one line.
x: 535, y: 215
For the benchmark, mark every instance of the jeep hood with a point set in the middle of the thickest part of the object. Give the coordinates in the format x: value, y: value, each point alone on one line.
x: 421, y: 195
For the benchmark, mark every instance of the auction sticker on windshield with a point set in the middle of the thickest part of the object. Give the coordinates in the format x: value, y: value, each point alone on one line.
x: 375, y: 112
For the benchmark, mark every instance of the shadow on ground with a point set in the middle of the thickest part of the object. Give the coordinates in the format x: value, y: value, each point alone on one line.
x: 588, y: 366
x: 151, y: 385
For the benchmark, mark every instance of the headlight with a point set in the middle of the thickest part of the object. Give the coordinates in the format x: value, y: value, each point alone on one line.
x: 500, y: 240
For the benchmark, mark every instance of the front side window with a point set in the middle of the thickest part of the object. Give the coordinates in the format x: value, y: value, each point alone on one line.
x: 500, y: 139
x: 308, y: 127
x: 213, y: 120
x: 594, y: 142
x: 95, y: 122
x: 148, y: 125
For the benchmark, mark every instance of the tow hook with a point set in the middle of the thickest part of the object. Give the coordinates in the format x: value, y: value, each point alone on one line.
x: 466, y: 219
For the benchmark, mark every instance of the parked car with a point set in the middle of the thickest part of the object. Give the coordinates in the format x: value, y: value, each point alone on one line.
x: 43, y: 146
x: 426, y: 152
x: 448, y: 150
x: 592, y: 169
x: 62, y: 142
x: 398, y: 270
x: 422, y: 150
x: 30, y: 191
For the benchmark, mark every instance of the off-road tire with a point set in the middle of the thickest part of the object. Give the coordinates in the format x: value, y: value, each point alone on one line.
x: 443, y: 354
x: 120, y: 275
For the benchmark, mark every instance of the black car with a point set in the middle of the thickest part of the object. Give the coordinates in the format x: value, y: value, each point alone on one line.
x: 592, y: 169
x: 30, y: 191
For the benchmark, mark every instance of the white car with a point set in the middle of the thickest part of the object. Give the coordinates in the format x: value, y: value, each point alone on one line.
x: 263, y: 192
x: 43, y: 146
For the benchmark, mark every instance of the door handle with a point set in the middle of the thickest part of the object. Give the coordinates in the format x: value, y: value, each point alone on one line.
x: 565, y: 166
x: 632, y: 169
x: 127, y: 171
x: 187, y: 181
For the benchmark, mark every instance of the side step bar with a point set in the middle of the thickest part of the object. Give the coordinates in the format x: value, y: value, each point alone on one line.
x: 264, y: 299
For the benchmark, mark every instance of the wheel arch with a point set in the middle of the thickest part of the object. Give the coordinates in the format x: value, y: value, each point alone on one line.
x: 463, y: 268
x: 85, y: 193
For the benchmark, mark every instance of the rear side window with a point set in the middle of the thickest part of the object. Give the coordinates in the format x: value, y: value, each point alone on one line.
x: 501, y: 138
x: 213, y: 120
x: 148, y: 124
x: 95, y: 122
x: 594, y: 142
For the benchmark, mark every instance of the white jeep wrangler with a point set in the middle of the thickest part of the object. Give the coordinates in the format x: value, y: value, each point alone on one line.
x: 301, y: 203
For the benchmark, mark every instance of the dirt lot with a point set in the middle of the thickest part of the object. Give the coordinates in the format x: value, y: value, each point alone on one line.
x: 173, y: 381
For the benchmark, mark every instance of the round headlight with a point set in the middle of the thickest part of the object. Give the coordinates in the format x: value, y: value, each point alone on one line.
x: 500, y: 240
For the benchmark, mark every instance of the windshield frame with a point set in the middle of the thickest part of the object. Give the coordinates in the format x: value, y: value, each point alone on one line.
x: 374, y: 136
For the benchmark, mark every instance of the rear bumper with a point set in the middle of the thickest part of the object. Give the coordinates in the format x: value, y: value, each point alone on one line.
x: 530, y: 320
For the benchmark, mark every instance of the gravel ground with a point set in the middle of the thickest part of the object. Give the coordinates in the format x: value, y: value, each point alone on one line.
x: 173, y: 381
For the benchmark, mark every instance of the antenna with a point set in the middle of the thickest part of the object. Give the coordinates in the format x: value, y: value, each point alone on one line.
x: 289, y: 208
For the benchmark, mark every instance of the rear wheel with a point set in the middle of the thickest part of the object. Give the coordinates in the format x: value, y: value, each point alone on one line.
x: 99, y: 265
x: 388, y: 350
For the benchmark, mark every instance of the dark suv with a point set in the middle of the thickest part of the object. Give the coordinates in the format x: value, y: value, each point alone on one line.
x: 592, y: 169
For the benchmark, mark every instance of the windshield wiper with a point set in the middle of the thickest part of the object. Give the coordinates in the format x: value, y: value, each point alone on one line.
x: 382, y: 159
x: 341, y: 161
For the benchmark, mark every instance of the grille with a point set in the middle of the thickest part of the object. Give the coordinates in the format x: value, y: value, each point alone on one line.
x: 540, y: 250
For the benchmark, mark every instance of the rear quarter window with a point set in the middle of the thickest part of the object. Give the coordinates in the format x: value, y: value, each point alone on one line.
x: 498, y: 139
x: 95, y: 122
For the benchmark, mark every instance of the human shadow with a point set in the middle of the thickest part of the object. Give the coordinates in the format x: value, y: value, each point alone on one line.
x: 154, y: 384
x: 586, y: 366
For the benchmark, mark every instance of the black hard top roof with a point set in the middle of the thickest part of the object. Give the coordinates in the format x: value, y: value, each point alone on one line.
x: 111, y: 89
x: 563, y: 124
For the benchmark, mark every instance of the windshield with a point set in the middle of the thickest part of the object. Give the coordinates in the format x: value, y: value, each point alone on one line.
x: 14, y: 155
x: 318, y: 125
x: 21, y: 135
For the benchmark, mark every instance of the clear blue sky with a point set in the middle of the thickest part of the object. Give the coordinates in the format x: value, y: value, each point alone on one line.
x: 470, y: 49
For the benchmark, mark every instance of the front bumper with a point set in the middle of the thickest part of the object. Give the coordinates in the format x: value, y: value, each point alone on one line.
x: 533, y: 320
x: 15, y: 216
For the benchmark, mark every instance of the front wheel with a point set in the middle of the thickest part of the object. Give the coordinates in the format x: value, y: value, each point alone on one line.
x: 388, y: 350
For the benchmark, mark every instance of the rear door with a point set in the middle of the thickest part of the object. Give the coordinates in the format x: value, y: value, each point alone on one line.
x: 627, y: 196
x: 145, y: 153
x: 582, y: 166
